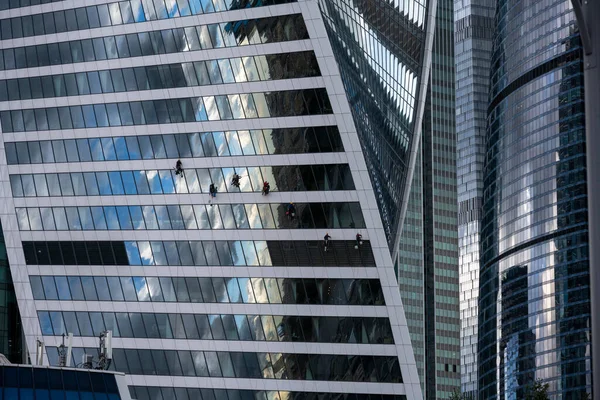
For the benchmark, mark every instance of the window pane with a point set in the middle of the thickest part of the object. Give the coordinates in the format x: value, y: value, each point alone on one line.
x: 189, y: 218
x: 129, y: 291
x: 212, y: 362
x: 47, y: 219
x: 154, y: 289
x: 150, y: 217
x: 99, y: 218
x: 89, y: 290
x: 167, y: 181
x: 181, y: 290
x: 189, y: 324
x: 53, y: 184
x: 158, y: 252
x: 208, y: 144
x: 221, y: 143
x: 198, y: 253
x: 15, y: 184
x: 114, y: 286
x: 137, y: 218
x: 211, y: 108
x: 41, y: 186
x: 194, y: 290
x: 185, y: 253
x: 223, y: 106
x: 71, y: 323
x: 193, y: 183
x: 214, y: 217
x: 162, y: 214
x: 239, y: 214
x: 141, y: 288
x: 168, y: 290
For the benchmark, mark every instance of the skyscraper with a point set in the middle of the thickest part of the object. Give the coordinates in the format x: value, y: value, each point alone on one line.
x: 534, y: 310
x: 474, y: 27
x: 440, y: 242
x: 397, y: 67
x: 212, y: 294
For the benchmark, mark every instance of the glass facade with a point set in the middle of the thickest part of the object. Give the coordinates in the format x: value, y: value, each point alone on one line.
x: 200, y: 253
x: 285, y: 178
x: 440, y: 245
x: 116, y: 13
x: 168, y: 393
x: 534, y: 305
x: 410, y: 267
x: 196, y: 109
x: 168, y: 41
x: 406, y: 126
x: 9, y: 4
x: 474, y: 28
x: 324, y: 139
x: 271, y: 328
x: 139, y: 137
x: 250, y: 365
x: 379, y: 51
x: 24, y: 382
x: 209, y: 290
x: 11, y: 331
x: 198, y: 73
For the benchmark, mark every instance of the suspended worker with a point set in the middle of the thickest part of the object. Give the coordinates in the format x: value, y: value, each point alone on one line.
x: 326, y: 240
x: 358, y: 240
x: 266, y: 188
x: 179, y: 168
x: 235, y: 180
x: 291, y: 211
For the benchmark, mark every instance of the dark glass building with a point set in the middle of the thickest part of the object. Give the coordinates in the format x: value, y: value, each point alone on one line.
x: 534, y: 310
x: 26, y: 382
x: 380, y: 48
x: 401, y: 91
x: 11, y: 332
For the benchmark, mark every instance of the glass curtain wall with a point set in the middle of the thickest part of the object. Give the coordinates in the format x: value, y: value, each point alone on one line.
x: 534, y: 308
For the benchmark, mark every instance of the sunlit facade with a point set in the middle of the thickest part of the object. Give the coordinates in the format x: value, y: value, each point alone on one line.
x: 474, y: 28
x: 225, y: 297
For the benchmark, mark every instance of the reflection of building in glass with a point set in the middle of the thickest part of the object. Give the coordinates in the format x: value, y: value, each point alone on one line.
x: 534, y: 280
x: 209, y: 295
x: 474, y: 28
x: 517, y: 349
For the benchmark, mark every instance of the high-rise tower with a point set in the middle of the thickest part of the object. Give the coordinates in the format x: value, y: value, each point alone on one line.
x: 237, y: 296
x: 397, y: 67
x: 440, y: 242
x: 534, y: 308
x: 474, y: 27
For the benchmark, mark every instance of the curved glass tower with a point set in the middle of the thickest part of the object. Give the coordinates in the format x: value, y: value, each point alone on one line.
x: 534, y: 311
